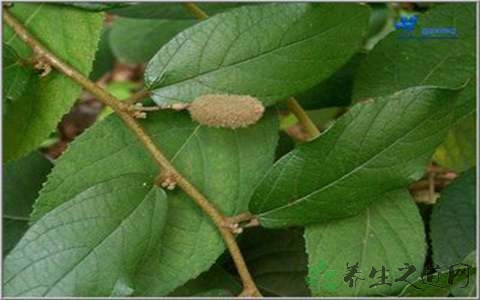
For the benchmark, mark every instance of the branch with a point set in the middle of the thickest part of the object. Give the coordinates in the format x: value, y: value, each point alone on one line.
x: 122, y: 110
x: 195, y: 11
x: 249, y: 287
x: 303, y: 118
x: 239, y: 222
x: 16, y: 218
x: 137, y: 97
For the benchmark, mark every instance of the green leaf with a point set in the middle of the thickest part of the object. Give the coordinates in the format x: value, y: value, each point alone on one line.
x: 381, y: 23
x: 71, y: 34
x: 214, y: 282
x: 240, y: 52
x: 330, y: 286
x: 216, y: 293
x: 440, y: 290
x: 396, y: 64
x: 169, y: 10
x: 92, y: 245
x: 13, y: 230
x: 453, y: 230
x: 94, y: 6
x: 329, y: 275
x: 377, y: 146
x: 104, y: 59
x: 321, y: 266
x: 277, y: 261
x: 464, y: 288
x: 312, y: 273
x: 223, y: 164
x: 16, y: 76
x: 137, y: 40
x: 440, y: 287
x: 312, y: 280
x: 326, y: 117
x: 389, y: 233
x: 336, y: 90
x: 285, y: 145
x: 458, y: 151
x: 378, y: 19
x: 22, y: 180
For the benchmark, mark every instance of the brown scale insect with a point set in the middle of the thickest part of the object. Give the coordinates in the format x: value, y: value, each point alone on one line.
x: 227, y: 111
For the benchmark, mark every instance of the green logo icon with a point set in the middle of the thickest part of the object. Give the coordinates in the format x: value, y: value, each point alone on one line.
x: 317, y: 276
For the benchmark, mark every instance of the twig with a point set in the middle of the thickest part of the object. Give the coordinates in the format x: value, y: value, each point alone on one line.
x: 239, y: 222
x: 249, y: 287
x: 254, y: 222
x: 15, y: 218
x: 137, y: 97
x: 435, y: 179
x: 120, y: 108
x: 303, y: 118
x: 243, y: 220
x: 196, y: 11
x: 425, y: 184
x: 148, y: 108
x: 246, y: 216
x: 431, y: 186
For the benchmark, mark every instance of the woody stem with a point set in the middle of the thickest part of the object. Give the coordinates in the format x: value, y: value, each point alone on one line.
x: 122, y: 110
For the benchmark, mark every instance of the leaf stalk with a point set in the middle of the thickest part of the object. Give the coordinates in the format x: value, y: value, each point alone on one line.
x: 195, y: 11
x: 138, y: 97
x: 303, y: 118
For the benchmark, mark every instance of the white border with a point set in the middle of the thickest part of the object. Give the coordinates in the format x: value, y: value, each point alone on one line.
x: 478, y: 156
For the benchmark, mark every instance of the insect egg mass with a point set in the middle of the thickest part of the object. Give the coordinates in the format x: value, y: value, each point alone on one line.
x: 228, y: 111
